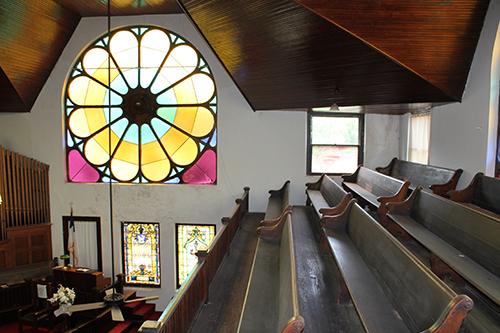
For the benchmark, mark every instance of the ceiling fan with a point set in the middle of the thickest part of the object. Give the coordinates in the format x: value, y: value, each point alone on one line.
x: 113, y: 299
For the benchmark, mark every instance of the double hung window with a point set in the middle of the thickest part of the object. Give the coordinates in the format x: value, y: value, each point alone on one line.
x: 335, y: 142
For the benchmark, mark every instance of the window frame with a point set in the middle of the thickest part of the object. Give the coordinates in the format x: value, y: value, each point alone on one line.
x: 95, y: 219
x: 177, y: 267
x: 124, y: 264
x: 409, y: 145
x: 133, y: 121
x: 361, y: 144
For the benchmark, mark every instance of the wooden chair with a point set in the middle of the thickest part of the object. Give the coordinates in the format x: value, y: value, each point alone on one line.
x: 40, y: 312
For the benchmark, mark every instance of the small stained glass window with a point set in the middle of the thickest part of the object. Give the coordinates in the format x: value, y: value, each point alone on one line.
x: 191, y: 238
x: 141, y: 107
x: 141, y: 253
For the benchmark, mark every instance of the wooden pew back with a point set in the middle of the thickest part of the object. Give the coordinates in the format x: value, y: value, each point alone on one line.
x: 332, y: 192
x: 439, y: 180
x: 474, y: 234
x: 487, y: 194
x: 289, y: 319
x: 483, y: 194
x: 380, y: 185
x: 415, y: 292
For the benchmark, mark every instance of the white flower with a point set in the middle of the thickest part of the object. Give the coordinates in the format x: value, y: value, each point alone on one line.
x: 64, y: 296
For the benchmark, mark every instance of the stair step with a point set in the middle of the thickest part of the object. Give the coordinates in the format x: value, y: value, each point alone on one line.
x: 121, y: 327
x: 144, y: 311
x: 154, y: 316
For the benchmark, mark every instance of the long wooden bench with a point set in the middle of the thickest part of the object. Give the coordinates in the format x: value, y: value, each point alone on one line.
x: 375, y: 189
x: 390, y: 288
x: 482, y: 194
x: 326, y: 197
x: 436, y: 179
x: 460, y: 240
x: 277, y: 206
x: 271, y: 301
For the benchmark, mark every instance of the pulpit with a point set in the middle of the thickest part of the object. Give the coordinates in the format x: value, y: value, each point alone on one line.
x: 80, y: 279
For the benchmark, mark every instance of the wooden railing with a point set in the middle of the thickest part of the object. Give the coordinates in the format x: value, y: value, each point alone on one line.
x: 24, y: 190
x: 14, y: 296
x: 182, y: 309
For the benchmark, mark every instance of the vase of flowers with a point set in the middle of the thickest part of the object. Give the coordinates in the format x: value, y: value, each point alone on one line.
x: 64, y: 297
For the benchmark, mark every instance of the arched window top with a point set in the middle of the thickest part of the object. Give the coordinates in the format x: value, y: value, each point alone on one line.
x: 151, y: 118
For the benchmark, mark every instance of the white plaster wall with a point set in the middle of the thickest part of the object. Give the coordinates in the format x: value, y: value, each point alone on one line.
x: 463, y: 135
x: 257, y: 149
x: 381, y: 139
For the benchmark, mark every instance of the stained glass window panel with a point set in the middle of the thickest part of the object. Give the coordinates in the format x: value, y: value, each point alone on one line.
x: 141, y: 253
x: 141, y: 107
x: 191, y: 238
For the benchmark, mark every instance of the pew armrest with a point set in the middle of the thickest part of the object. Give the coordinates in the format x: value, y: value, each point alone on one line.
x: 403, y: 207
x: 442, y: 189
x: 465, y: 195
x: 387, y: 169
x: 351, y: 178
x: 338, y: 222
x: 316, y: 185
x: 451, y: 318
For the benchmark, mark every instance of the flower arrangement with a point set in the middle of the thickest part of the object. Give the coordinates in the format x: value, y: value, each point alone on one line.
x: 64, y: 296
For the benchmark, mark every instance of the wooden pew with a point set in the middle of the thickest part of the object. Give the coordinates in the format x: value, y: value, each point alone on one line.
x: 390, y: 288
x: 271, y: 301
x: 482, y: 194
x: 326, y: 197
x: 437, y: 179
x: 461, y: 240
x: 375, y: 189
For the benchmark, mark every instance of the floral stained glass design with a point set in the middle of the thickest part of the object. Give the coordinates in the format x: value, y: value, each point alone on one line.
x: 141, y: 107
x: 191, y: 238
x: 141, y: 248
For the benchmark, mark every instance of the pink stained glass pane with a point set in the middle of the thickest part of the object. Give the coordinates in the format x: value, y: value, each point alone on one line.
x: 204, y: 171
x: 79, y: 170
x: 334, y: 159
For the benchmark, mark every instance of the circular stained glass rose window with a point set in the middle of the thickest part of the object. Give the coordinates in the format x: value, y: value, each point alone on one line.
x: 151, y: 118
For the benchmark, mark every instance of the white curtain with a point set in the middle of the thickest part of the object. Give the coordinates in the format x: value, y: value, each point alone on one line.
x: 419, y: 136
x: 85, y: 237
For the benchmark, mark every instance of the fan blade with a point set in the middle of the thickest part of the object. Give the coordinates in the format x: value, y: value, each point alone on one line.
x: 116, y: 313
x: 85, y: 306
x: 141, y: 299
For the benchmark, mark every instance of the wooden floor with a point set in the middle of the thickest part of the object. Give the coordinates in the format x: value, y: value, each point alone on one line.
x: 317, y: 278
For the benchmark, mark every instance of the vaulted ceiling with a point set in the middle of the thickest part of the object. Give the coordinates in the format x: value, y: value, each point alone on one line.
x: 389, y: 56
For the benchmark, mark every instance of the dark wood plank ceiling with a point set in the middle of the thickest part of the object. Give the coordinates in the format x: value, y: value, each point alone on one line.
x: 282, y: 54
x: 304, y: 53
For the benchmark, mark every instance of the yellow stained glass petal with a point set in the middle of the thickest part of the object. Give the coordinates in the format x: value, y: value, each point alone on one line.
x: 128, y: 152
x: 198, y: 121
x: 124, y: 47
x: 95, y: 63
x: 154, y: 47
x: 125, y: 162
x: 181, y: 62
x: 182, y: 149
x: 123, y: 171
x: 84, y: 91
x: 78, y: 123
x: 95, y: 153
x: 85, y: 122
x: 155, y: 164
x: 197, y: 89
x: 102, y: 140
x: 125, y: 50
